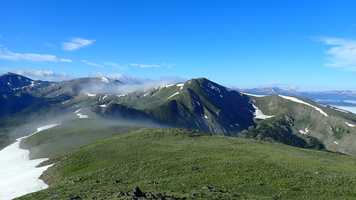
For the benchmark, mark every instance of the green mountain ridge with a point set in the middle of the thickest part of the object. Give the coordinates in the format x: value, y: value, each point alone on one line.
x: 195, y: 104
x: 174, y: 141
x: 190, y: 165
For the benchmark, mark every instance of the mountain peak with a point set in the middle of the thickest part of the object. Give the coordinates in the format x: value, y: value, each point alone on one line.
x: 11, y: 80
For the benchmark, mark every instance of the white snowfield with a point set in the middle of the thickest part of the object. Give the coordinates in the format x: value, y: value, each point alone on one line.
x: 176, y: 93
x: 305, y: 103
x: 18, y: 174
x: 180, y: 85
x: 304, y: 132
x: 253, y: 95
x: 259, y: 114
x: 91, y: 95
x: 349, y: 124
x: 82, y: 116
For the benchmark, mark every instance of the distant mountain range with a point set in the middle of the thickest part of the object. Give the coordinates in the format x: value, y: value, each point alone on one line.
x: 195, y: 104
x: 332, y: 97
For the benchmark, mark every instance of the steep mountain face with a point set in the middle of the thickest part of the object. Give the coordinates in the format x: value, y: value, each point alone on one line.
x: 197, y: 104
x: 15, y: 93
x: 317, y: 125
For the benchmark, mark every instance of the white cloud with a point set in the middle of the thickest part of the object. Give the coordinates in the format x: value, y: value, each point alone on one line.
x: 6, y: 54
x: 76, y: 43
x: 93, y: 64
x: 43, y: 74
x: 341, y: 52
x: 145, y: 65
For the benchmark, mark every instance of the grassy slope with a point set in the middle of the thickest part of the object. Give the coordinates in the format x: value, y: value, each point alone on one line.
x: 73, y: 134
x: 168, y: 160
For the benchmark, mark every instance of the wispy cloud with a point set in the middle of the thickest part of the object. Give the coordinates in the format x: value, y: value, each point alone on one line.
x: 76, y: 43
x: 341, y: 52
x: 6, y: 54
x: 123, y: 66
x: 93, y: 64
x: 44, y: 74
x: 145, y: 65
x: 113, y: 64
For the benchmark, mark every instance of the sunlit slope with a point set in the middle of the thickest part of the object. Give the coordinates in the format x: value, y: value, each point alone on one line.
x: 73, y: 134
x: 197, y: 103
x: 335, y: 129
x: 184, y: 164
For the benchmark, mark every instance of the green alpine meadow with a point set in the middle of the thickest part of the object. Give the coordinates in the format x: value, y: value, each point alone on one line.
x: 177, y: 100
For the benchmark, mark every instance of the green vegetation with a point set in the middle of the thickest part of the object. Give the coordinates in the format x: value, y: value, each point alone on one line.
x: 330, y: 131
x: 186, y: 164
x: 73, y: 134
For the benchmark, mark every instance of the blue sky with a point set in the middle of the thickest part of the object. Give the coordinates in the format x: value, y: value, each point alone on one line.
x: 310, y: 45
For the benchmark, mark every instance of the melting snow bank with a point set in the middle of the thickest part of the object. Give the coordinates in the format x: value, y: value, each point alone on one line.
x: 259, y: 114
x: 349, y: 124
x: 305, y: 103
x: 176, y: 93
x: 80, y: 115
x: 304, y: 132
x: 18, y: 174
x: 253, y: 95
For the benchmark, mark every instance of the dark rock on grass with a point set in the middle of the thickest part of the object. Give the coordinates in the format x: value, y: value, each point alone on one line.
x: 137, y: 192
x: 75, y: 198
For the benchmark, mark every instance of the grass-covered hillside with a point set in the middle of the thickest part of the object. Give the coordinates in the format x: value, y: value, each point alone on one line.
x: 182, y: 164
x: 73, y: 134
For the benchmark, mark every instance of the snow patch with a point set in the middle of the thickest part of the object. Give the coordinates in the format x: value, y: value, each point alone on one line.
x: 20, y: 175
x: 349, y: 124
x: 82, y: 116
x: 252, y: 95
x: 336, y: 143
x: 91, y: 95
x: 103, y: 106
x: 304, y: 132
x: 42, y: 128
x: 176, y: 93
x: 180, y: 85
x: 65, y: 102
x: 104, y: 79
x: 259, y: 114
x: 166, y: 86
x: 213, y: 87
x: 305, y: 103
x: 206, y: 117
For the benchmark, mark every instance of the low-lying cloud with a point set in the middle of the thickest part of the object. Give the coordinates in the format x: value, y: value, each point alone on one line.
x: 44, y: 74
